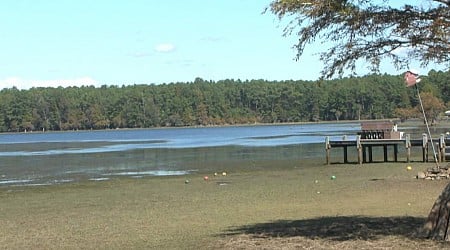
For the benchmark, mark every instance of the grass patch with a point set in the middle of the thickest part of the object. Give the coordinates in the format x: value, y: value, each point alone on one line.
x: 296, y: 205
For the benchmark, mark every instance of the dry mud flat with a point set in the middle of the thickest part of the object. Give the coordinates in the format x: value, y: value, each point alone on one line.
x: 298, y: 205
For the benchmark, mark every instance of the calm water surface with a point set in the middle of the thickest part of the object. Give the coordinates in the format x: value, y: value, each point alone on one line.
x: 60, y: 157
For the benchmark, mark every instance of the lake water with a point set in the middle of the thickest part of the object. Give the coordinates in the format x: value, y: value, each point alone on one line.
x: 60, y: 157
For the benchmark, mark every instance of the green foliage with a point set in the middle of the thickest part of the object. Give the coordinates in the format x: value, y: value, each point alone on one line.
x: 206, y: 103
x: 352, y: 30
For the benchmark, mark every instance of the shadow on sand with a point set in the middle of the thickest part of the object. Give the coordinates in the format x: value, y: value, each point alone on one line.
x: 340, y: 228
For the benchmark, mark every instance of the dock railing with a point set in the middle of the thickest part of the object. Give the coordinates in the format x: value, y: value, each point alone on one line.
x: 364, y: 147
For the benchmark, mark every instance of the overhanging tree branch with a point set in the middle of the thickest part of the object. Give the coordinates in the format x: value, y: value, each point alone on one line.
x: 360, y: 30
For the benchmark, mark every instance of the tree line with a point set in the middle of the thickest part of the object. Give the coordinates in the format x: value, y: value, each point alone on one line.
x: 205, y: 103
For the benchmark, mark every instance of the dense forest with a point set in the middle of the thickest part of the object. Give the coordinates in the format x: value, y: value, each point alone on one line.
x: 223, y: 102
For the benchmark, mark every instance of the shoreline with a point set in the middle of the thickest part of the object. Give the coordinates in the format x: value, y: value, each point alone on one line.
x: 80, y: 161
x: 442, y: 124
x: 205, y: 126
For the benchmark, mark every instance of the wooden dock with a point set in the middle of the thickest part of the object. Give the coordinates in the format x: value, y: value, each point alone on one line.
x: 364, y: 148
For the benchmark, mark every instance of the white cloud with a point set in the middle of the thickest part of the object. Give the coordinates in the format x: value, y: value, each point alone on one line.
x: 164, y: 47
x: 27, y: 84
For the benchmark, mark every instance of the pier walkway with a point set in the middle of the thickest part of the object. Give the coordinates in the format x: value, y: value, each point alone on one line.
x: 364, y: 148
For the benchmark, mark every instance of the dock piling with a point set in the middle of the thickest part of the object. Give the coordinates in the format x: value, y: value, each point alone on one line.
x: 442, y: 147
x: 408, y: 147
x: 424, y: 147
x: 360, y: 148
x: 327, y: 148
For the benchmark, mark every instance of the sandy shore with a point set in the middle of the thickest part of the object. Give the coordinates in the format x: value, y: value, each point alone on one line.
x: 296, y: 206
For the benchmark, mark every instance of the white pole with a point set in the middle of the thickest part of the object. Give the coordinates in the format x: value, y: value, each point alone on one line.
x: 428, y: 128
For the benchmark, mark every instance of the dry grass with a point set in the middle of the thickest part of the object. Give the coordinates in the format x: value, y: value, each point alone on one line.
x: 298, y: 206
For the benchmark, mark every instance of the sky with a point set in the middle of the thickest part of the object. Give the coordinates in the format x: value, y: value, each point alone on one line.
x: 51, y: 43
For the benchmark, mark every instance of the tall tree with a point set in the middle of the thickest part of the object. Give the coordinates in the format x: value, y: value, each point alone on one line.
x: 432, y: 105
x: 354, y: 30
x: 371, y: 31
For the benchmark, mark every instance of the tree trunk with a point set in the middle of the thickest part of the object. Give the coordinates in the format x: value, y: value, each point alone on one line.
x: 437, y: 224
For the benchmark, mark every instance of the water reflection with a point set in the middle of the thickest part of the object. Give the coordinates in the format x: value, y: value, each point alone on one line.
x: 55, y: 158
x: 52, y: 169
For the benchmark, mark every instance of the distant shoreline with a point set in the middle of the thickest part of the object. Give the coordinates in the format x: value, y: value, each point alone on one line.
x: 206, y: 126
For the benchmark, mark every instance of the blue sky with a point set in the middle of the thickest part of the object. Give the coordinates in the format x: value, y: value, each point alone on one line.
x: 96, y: 42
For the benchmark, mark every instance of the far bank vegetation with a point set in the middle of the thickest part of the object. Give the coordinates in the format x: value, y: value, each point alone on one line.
x: 225, y: 102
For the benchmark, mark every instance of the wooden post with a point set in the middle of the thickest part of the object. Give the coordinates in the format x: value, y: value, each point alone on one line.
x: 327, y: 148
x: 442, y: 147
x: 364, y: 153
x: 424, y: 147
x: 359, y: 148
x: 385, y: 153
x: 345, y: 154
x: 408, y: 147
x: 395, y: 152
